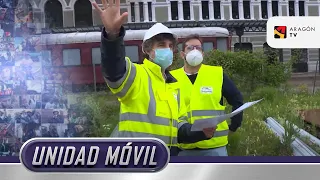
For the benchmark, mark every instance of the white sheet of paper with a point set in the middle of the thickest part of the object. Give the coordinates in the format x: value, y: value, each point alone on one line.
x: 201, y: 124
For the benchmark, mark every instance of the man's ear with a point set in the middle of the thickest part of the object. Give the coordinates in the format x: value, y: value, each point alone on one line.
x: 143, y: 50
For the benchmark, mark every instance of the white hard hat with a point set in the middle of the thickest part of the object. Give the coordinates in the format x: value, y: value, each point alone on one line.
x: 156, y: 29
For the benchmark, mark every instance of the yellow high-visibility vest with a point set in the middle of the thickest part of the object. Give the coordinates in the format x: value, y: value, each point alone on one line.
x: 203, y: 101
x: 149, y: 107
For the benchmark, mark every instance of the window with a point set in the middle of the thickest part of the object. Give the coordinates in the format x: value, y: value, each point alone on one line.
x: 133, y: 12
x: 272, y: 54
x: 266, y: 47
x: 235, y: 9
x: 301, y: 8
x: 174, y: 10
x: 23, y: 9
x: 291, y: 8
x: 281, y: 55
x: 46, y: 58
x: 205, y: 9
x: 246, y: 9
x: 83, y: 13
x: 133, y: 53
x: 244, y: 47
x: 96, y: 56
x: 222, y: 44
x: 264, y: 9
x: 141, y: 11
x: 275, y: 8
x: 150, y: 10
x: 216, y: 9
x: 30, y: 9
x: 300, y: 55
x: 207, y: 46
x: 53, y: 14
x: 71, y: 57
x: 186, y: 10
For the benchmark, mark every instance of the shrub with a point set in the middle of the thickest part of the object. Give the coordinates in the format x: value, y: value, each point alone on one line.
x: 268, y: 93
x: 252, y: 139
x: 255, y: 139
x: 103, y: 111
x: 253, y: 73
x: 250, y: 70
x: 177, y: 62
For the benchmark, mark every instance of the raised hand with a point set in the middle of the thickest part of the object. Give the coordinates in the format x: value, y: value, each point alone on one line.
x: 110, y: 15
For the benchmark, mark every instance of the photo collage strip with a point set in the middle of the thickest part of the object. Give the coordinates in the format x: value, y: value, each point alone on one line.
x: 32, y: 103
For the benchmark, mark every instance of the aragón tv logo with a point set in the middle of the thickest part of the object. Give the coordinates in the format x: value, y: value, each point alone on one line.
x: 282, y: 32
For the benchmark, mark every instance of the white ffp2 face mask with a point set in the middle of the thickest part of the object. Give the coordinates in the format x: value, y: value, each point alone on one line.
x: 194, y: 58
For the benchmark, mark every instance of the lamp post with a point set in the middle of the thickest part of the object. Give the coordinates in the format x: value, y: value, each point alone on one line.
x: 239, y: 32
x: 319, y: 61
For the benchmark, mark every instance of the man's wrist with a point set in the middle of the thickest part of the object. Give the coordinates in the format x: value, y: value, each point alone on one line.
x: 112, y: 34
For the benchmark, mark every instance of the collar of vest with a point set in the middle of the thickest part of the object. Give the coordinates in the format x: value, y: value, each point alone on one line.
x: 156, y: 70
x: 193, y: 73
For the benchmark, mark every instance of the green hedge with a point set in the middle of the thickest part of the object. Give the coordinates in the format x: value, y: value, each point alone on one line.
x: 249, y: 70
x: 253, y: 74
x: 103, y: 110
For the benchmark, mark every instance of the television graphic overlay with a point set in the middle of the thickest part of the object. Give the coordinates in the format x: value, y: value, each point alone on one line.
x: 94, y: 155
x: 2, y: 13
x: 7, y: 9
x: 280, y: 32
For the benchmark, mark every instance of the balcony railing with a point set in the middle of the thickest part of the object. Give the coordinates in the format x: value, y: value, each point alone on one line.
x: 249, y: 25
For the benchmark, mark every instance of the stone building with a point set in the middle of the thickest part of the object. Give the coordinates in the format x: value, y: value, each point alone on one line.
x: 80, y: 13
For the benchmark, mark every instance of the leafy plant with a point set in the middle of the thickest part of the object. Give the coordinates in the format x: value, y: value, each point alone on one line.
x: 103, y: 111
x: 257, y: 78
x: 250, y: 70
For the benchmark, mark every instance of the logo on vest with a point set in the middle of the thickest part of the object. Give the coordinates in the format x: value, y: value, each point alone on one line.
x: 175, y: 96
x: 206, y: 90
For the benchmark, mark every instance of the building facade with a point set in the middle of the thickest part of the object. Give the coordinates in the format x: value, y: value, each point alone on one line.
x: 80, y: 13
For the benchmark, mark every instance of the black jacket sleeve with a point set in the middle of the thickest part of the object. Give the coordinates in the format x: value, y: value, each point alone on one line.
x: 185, y: 135
x: 113, y: 64
x: 235, y: 99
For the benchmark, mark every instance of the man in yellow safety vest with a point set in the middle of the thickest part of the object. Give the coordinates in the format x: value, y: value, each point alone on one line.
x: 202, y: 88
x: 149, y: 96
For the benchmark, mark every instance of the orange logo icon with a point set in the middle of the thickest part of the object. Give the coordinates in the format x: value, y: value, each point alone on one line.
x: 280, y: 32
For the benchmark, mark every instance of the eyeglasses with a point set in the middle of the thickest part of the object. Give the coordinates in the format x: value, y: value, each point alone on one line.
x: 191, y: 47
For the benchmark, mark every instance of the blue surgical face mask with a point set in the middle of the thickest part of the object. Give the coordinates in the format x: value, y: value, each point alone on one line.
x: 163, y: 57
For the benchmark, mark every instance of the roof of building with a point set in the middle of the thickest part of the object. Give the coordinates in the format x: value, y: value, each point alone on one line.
x: 85, y: 37
x: 248, y: 25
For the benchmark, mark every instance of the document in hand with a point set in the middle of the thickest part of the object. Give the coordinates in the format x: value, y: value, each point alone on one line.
x: 199, y: 125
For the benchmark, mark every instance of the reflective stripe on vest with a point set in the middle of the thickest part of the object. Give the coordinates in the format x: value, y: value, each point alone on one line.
x: 200, y: 103
x: 206, y: 113
x: 196, y: 113
x: 145, y: 135
x: 149, y: 119
x: 133, y: 71
x: 116, y: 133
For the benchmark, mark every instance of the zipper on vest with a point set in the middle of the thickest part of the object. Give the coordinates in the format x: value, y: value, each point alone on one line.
x: 171, y: 119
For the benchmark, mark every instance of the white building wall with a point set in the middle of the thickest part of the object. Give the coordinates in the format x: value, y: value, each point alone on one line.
x: 161, y: 12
